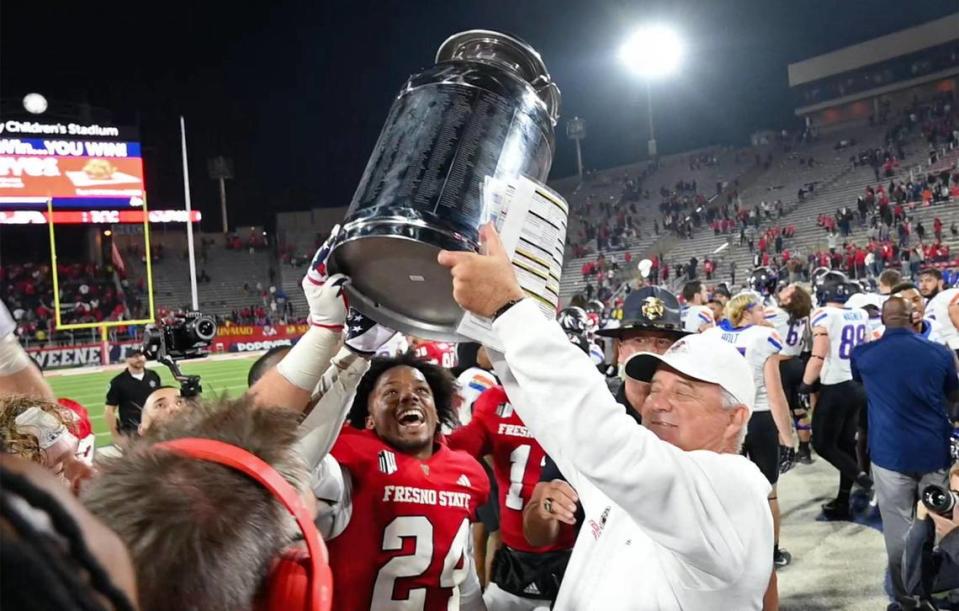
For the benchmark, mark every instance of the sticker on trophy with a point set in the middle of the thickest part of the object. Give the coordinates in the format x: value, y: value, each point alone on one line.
x: 533, y: 233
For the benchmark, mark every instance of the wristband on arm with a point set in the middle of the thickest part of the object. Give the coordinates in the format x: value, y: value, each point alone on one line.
x: 300, y: 366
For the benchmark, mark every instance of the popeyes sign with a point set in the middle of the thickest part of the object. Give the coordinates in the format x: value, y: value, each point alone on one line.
x: 36, y: 169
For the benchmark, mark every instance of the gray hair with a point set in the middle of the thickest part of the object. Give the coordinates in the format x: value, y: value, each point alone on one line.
x: 202, y: 535
x: 731, y: 402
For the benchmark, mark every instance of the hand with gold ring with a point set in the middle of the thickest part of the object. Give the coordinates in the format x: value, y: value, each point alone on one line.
x: 555, y: 500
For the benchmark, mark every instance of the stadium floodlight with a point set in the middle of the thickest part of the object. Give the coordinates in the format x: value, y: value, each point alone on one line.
x: 652, y: 51
x: 35, y: 103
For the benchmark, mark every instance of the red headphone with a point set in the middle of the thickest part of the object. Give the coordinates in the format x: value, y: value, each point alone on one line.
x: 299, y: 580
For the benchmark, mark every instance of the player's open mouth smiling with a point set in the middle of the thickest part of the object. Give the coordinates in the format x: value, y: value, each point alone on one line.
x: 411, y: 418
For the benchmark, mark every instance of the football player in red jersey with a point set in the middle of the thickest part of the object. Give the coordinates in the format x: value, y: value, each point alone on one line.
x: 402, y: 500
x: 523, y: 576
x: 442, y: 354
x: 394, y: 503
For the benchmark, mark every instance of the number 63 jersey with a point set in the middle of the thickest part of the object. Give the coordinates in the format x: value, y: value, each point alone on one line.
x: 847, y: 328
x: 406, y: 540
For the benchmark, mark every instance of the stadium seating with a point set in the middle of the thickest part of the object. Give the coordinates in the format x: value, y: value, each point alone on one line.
x: 608, y: 186
x: 835, y: 182
x: 228, y: 271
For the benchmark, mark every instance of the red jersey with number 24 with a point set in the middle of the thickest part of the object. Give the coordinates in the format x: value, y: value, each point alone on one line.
x: 496, y: 429
x: 406, y: 542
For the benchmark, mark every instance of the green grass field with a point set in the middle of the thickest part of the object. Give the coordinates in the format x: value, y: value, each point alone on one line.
x: 90, y: 389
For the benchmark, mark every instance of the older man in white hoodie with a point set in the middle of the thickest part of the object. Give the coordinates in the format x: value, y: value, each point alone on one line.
x: 675, y: 517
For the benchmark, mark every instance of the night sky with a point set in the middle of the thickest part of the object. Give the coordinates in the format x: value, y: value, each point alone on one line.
x: 296, y: 92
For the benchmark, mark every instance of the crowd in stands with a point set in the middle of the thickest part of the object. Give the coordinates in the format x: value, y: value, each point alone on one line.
x: 892, y: 237
x: 273, y: 306
x: 617, y: 224
x: 255, y: 240
x: 614, y: 224
x: 88, y: 294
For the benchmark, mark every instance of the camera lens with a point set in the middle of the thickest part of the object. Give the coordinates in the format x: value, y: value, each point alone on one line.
x: 205, y: 328
x: 938, y: 499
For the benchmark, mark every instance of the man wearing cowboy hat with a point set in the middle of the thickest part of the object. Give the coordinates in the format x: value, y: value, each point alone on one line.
x: 651, y: 323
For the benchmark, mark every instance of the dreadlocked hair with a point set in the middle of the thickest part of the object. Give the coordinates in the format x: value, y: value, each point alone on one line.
x: 441, y: 383
x: 44, y: 571
x: 26, y: 445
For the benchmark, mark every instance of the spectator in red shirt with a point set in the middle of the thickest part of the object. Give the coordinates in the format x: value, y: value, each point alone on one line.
x: 899, y: 212
x: 937, y: 228
x: 859, y: 257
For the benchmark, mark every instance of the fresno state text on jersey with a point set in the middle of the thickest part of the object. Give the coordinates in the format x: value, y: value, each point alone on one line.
x: 496, y: 429
x: 407, y: 539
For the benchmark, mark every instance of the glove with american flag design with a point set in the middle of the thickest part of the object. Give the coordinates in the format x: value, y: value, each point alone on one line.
x: 325, y: 294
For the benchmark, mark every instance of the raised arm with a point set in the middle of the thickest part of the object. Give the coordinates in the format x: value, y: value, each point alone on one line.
x: 18, y: 375
x: 678, y: 500
x: 290, y: 384
x: 332, y: 399
x: 333, y: 395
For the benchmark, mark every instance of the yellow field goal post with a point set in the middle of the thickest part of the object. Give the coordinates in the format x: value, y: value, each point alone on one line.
x: 103, y: 325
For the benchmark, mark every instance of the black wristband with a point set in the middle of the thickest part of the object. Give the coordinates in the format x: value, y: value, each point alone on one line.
x: 506, y: 306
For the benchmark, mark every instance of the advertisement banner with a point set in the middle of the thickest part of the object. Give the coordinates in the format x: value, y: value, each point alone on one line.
x: 66, y: 356
x: 97, y: 217
x: 239, y: 338
x: 44, y: 168
x: 255, y: 332
x: 249, y: 338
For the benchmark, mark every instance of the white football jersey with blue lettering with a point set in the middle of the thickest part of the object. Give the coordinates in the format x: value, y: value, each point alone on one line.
x: 794, y: 334
x: 696, y: 317
x: 938, y: 309
x: 756, y: 343
x: 847, y: 328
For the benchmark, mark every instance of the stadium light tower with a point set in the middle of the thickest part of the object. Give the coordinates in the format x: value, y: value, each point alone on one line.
x: 652, y: 52
x: 221, y: 169
x: 576, y: 130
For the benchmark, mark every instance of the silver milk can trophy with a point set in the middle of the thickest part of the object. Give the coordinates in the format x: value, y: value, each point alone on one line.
x: 487, y: 108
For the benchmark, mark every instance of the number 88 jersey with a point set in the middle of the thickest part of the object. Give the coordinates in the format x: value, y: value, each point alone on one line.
x: 847, y: 328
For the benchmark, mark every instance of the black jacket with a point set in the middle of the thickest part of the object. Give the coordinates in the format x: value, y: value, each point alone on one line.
x: 927, y: 569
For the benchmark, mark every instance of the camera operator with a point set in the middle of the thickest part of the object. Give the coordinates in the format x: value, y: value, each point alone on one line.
x: 928, y: 568
x: 127, y: 394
